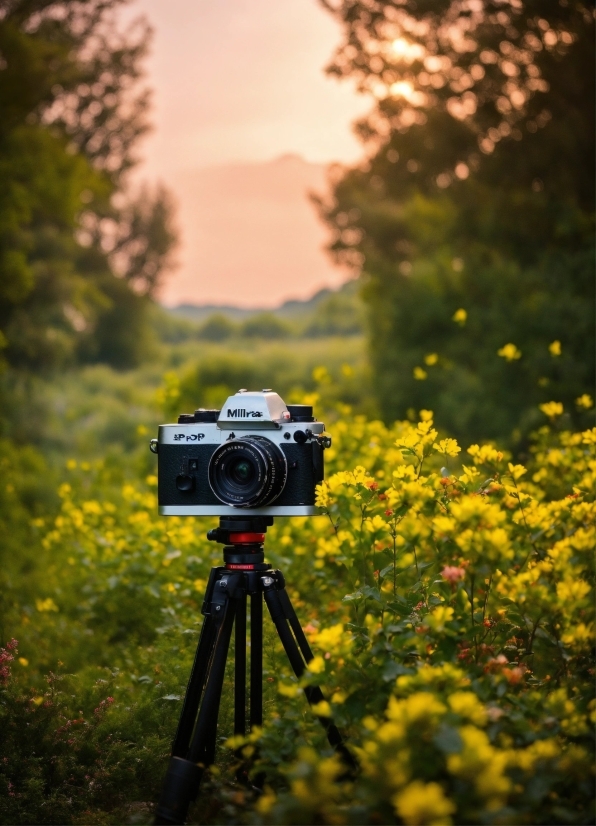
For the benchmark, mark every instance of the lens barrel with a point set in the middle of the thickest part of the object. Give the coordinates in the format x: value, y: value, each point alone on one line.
x: 248, y: 472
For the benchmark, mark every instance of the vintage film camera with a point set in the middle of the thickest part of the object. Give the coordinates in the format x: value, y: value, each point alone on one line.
x: 256, y: 456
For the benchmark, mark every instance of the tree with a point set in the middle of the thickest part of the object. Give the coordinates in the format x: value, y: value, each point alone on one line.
x: 477, y: 195
x: 73, y: 240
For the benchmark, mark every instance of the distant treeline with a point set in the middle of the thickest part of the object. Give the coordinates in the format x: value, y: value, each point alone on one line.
x: 338, y: 313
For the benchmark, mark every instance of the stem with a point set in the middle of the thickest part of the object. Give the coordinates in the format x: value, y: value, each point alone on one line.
x: 394, y: 535
x: 521, y: 507
x: 472, y: 616
x: 486, y: 598
x: 532, y: 636
x: 420, y: 465
x: 362, y: 511
x: 334, y: 525
x: 416, y: 561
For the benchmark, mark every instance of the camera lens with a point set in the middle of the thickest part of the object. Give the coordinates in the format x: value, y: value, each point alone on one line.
x: 248, y: 472
x: 242, y: 471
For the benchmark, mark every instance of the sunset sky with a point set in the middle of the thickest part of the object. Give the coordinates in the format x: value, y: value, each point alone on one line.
x: 236, y: 85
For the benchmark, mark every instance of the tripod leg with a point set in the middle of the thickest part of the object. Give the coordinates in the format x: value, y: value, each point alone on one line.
x: 256, y: 660
x: 196, y: 682
x: 192, y: 698
x: 184, y: 775
x: 240, y: 668
x: 202, y: 747
x: 295, y: 624
x: 278, y: 603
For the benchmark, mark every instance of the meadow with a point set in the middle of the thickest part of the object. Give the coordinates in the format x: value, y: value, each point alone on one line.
x: 445, y: 591
x: 447, y: 584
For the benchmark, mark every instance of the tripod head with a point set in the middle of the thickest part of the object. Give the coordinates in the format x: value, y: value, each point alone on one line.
x: 243, y: 538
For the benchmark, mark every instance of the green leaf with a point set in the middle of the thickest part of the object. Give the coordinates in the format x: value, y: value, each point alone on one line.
x: 448, y: 740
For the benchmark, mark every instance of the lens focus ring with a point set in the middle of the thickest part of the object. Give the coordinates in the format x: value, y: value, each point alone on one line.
x: 248, y: 472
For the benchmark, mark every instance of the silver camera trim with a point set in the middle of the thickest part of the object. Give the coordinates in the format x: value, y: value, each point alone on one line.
x: 226, y: 510
x: 272, y: 421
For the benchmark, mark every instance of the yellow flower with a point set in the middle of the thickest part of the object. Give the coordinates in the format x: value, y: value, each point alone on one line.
x: 322, y: 498
x: 291, y: 690
x: 448, y: 446
x: 469, y: 474
x: 330, y: 638
x: 423, y: 803
x: 265, y: 802
x: 316, y: 665
x: 48, y: 604
x: 419, y: 374
x: 414, y: 710
x: 467, y: 704
x: 485, y: 454
x: 444, y: 524
x: 579, y: 635
x: 509, y: 352
x: 426, y: 415
x: 431, y: 358
x: 555, y: 348
x: 437, y: 618
x: 321, y: 375
x: 589, y: 437
x: 517, y: 471
x: 572, y: 590
x: 585, y: 402
x: 322, y: 709
x: 552, y: 409
x: 460, y: 317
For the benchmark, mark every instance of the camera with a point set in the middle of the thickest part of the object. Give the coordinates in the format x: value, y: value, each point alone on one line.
x: 255, y: 456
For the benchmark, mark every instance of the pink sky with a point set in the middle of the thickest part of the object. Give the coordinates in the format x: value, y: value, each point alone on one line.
x: 237, y: 84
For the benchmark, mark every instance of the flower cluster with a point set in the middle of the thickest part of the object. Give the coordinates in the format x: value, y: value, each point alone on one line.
x: 447, y: 596
x: 464, y: 668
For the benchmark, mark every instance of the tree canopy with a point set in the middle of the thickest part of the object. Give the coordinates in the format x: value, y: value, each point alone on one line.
x: 75, y: 243
x: 476, y: 195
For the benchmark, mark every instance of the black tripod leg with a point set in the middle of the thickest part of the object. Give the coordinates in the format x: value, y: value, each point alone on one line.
x: 192, y: 698
x: 278, y: 608
x: 183, y: 777
x: 295, y: 624
x: 240, y: 668
x: 256, y: 660
x: 202, y: 747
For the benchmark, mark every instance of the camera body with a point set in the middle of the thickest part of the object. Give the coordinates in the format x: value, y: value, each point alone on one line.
x: 256, y: 456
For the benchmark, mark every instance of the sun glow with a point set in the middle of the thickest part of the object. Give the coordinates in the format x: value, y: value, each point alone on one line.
x: 404, y: 89
x: 406, y: 51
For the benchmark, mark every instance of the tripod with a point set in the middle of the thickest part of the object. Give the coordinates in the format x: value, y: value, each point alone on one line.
x: 244, y: 574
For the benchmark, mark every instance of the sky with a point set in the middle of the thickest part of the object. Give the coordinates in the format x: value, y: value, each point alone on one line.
x: 237, y: 85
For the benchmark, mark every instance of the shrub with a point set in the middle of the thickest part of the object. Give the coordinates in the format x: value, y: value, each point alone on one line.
x: 265, y: 325
x: 448, y: 604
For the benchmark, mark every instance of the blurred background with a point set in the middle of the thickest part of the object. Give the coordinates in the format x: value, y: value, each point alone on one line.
x: 387, y: 205
x: 375, y: 207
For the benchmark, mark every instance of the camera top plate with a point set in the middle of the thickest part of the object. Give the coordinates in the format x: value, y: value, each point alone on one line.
x: 261, y: 411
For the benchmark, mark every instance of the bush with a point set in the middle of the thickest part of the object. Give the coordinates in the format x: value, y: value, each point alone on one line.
x: 448, y: 605
x: 265, y: 325
x: 218, y: 327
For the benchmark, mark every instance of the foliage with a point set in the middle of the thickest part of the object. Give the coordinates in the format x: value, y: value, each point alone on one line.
x: 448, y: 606
x: 74, y: 241
x: 339, y: 313
x: 265, y: 325
x: 475, y: 196
x: 335, y: 313
x: 218, y: 327
x: 293, y: 369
